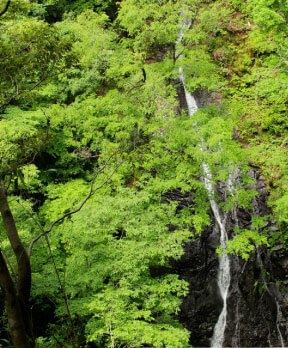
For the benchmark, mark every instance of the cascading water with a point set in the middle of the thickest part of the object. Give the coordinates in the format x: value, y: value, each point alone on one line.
x: 224, y: 277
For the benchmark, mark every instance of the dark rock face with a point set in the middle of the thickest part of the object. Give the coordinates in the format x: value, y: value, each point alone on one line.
x: 202, y: 306
x: 181, y: 98
x: 257, y: 301
x: 257, y: 308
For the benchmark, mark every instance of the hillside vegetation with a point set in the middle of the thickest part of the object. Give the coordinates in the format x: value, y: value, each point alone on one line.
x: 90, y: 119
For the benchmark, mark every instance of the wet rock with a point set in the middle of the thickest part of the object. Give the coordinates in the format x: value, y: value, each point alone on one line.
x: 257, y: 305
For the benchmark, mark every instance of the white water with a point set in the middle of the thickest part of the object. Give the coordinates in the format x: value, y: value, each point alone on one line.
x: 224, y: 277
x: 223, y: 280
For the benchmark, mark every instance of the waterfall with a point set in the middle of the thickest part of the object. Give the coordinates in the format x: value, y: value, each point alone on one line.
x: 224, y: 277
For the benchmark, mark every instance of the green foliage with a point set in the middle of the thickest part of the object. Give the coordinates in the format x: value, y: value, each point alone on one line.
x: 30, y: 52
x: 199, y: 67
x: 113, y: 249
x: 112, y: 89
x: 21, y: 136
x: 93, y: 46
x: 78, y: 6
x: 245, y: 241
x: 152, y: 24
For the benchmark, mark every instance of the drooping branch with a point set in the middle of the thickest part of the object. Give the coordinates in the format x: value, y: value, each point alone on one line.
x: 72, y: 212
x: 5, y: 8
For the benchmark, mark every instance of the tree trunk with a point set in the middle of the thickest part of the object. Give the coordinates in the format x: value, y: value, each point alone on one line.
x: 16, y: 298
x: 13, y: 308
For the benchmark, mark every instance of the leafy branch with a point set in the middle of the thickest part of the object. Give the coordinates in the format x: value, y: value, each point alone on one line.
x: 30, y: 89
x: 92, y: 191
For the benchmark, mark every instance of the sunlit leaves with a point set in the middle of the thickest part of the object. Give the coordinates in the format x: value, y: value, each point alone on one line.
x: 113, y: 245
x: 22, y: 134
x: 245, y: 241
x: 31, y: 51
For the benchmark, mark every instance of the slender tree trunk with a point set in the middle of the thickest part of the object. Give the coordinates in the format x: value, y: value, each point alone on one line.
x: 16, y: 298
x: 13, y: 308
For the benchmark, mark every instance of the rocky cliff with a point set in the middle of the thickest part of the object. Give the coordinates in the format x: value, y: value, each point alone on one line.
x: 257, y: 303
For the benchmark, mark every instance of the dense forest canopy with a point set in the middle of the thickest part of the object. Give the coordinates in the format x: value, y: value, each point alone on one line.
x: 100, y: 168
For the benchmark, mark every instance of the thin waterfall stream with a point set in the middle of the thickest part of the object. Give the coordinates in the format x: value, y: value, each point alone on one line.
x: 224, y: 276
x: 226, y: 221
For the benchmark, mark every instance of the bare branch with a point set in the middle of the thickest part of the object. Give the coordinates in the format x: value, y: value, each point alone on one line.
x: 72, y: 212
x: 5, y: 8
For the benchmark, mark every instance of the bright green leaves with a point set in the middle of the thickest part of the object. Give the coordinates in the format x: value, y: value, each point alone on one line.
x: 31, y: 51
x: 22, y: 135
x: 139, y: 318
x: 152, y: 24
x: 271, y: 20
x: 118, y: 250
x: 269, y: 15
x: 245, y: 241
x: 118, y: 93
x: 281, y: 208
x: 64, y: 197
x: 29, y: 177
x: 215, y: 126
x: 200, y: 70
x: 209, y: 22
x: 94, y: 47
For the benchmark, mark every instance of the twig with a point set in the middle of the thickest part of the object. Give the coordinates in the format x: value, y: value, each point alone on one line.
x: 64, y: 294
